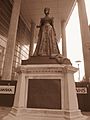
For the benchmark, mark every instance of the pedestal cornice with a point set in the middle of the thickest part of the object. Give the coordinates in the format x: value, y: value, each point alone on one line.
x: 45, y: 69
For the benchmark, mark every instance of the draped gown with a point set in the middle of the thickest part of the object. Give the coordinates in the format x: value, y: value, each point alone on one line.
x: 47, y: 44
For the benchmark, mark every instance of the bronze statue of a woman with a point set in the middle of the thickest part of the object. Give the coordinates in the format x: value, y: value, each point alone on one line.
x: 47, y: 44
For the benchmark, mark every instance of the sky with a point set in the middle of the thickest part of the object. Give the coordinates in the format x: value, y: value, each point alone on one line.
x: 74, y: 42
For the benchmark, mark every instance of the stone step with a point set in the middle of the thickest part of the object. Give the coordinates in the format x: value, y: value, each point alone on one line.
x: 5, y: 110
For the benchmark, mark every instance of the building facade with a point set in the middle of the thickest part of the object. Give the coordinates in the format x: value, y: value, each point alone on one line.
x: 17, y: 34
x: 23, y: 36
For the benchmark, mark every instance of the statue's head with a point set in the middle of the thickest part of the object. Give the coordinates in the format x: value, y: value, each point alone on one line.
x: 46, y: 11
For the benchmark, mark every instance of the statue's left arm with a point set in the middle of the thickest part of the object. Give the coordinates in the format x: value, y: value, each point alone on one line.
x: 52, y: 24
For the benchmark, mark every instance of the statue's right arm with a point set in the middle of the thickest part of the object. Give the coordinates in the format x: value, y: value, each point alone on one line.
x: 38, y: 26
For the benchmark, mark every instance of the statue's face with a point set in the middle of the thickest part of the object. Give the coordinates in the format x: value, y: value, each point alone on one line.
x: 46, y: 11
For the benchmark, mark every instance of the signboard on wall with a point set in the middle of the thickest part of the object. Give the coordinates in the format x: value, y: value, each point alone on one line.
x: 7, y: 89
x: 81, y: 90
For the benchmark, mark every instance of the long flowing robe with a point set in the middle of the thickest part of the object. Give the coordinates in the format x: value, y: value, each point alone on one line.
x: 47, y: 44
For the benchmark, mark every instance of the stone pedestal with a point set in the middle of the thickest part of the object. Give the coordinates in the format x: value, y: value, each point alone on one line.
x: 69, y: 105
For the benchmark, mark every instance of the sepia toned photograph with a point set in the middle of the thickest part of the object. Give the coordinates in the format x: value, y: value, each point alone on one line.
x: 44, y: 59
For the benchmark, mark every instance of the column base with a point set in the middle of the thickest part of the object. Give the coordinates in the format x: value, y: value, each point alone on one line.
x: 43, y: 114
x: 74, y: 115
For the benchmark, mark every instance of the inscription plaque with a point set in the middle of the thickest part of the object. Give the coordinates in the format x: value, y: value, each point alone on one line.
x: 44, y: 93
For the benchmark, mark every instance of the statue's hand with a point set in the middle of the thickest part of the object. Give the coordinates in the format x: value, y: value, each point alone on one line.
x: 38, y: 26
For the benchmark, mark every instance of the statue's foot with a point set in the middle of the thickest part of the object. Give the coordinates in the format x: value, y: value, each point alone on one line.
x: 66, y: 61
x: 62, y: 60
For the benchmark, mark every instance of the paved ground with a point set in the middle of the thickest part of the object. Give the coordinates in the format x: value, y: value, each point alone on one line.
x: 87, y: 114
x: 5, y: 110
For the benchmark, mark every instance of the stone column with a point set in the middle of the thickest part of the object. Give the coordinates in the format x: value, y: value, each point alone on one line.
x: 64, y: 50
x: 8, y: 62
x: 32, y: 40
x: 70, y: 97
x: 20, y: 100
x: 71, y: 110
x: 85, y: 35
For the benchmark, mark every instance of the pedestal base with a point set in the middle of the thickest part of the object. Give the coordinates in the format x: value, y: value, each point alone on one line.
x: 43, y: 114
x: 69, y: 104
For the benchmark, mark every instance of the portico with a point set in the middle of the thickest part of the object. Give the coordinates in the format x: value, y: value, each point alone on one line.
x: 32, y: 11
